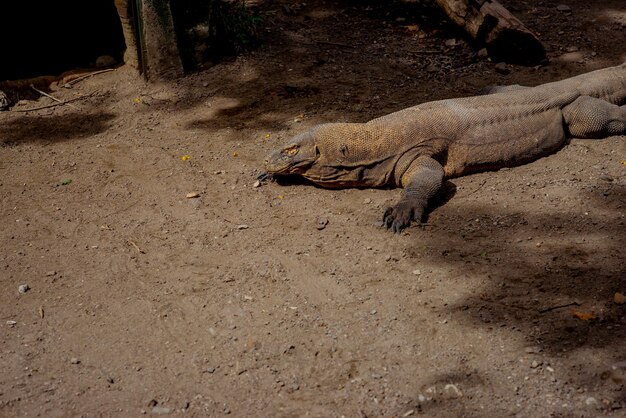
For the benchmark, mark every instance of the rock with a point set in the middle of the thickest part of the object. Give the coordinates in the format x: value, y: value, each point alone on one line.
x: 606, y: 177
x: 564, y: 8
x: 11, y: 323
x: 483, y: 53
x: 23, y: 288
x: 210, y: 370
x: 502, y: 68
x: 417, y: 272
x: 533, y: 350
x: 74, y: 360
x: 105, y: 61
x: 535, y: 364
x: 619, y: 298
x: 161, y: 410
x: 618, y: 372
x: 452, y: 390
x: 51, y: 273
x: 591, y: 401
x: 373, y: 312
x: 367, y: 201
x: 256, y: 184
x: 192, y: 195
x: 451, y: 42
x: 4, y: 101
x: 242, y: 226
x: 321, y: 223
x: 152, y: 403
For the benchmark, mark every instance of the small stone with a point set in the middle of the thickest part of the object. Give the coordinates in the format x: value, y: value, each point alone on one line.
x: 242, y: 226
x: 417, y: 272
x: 256, y: 184
x: 105, y: 61
x: 591, y: 401
x: 606, y: 177
x: 210, y: 370
x: 11, y: 323
x: 421, y: 398
x: 74, y: 360
x: 161, y: 410
x: 571, y: 48
x: 367, y: 201
x: 373, y: 312
x: 483, y: 53
x: 23, y: 288
x: 321, y: 223
x: 563, y: 8
x: 502, y: 68
x: 533, y: 350
x: 453, y: 390
x: 535, y: 364
x: 152, y: 403
x: 192, y: 195
x: 619, y: 298
x: 51, y: 273
x: 451, y: 42
x: 408, y: 413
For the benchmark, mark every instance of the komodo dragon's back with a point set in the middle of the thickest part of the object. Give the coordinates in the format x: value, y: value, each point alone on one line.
x: 416, y: 148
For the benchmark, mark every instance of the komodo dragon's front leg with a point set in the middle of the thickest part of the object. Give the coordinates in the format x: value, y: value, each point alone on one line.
x: 421, y: 181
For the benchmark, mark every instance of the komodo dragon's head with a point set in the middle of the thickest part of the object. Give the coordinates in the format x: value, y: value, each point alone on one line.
x: 325, y: 155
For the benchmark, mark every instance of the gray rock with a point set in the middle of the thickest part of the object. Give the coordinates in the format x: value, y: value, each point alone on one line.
x: 74, y: 360
x: 563, y: 8
x: 502, y: 68
x: 23, y: 288
x: 161, y: 410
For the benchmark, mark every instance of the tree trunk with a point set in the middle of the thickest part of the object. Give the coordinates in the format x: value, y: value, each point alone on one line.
x: 492, y: 26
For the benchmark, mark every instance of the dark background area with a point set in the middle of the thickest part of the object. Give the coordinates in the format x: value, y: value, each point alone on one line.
x: 48, y: 38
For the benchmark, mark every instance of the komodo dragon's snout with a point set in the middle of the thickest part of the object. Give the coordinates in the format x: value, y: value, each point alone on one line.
x: 417, y: 148
x: 295, y: 157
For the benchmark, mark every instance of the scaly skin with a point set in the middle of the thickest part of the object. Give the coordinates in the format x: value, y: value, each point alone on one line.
x: 417, y: 148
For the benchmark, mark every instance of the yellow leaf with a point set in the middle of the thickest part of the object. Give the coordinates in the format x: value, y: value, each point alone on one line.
x: 412, y: 28
x: 267, y: 136
x: 235, y: 154
x: 137, y: 99
x: 584, y: 316
x: 280, y: 197
x: 185, y: 157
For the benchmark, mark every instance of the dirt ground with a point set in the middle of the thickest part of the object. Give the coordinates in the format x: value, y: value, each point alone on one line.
x: 144, y: 301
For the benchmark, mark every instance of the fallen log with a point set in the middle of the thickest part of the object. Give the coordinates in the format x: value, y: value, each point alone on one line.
x: 493, y: 27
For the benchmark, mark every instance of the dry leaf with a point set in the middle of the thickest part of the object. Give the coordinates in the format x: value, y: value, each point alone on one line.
x: 185, y: 157
x: 584, y: 316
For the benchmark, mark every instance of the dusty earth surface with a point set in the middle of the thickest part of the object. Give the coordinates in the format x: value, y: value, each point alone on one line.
x: 144, y: 301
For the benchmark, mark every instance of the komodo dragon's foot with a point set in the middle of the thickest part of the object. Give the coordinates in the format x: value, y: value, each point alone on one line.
x: 400, y: 216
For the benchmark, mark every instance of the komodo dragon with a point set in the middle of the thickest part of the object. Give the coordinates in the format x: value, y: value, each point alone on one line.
x: 418, y: 147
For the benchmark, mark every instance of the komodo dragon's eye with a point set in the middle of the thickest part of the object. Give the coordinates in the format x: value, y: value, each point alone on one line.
x: 292, y: 150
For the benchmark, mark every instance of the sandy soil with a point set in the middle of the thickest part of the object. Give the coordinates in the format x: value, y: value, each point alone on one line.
x: 144, y: 301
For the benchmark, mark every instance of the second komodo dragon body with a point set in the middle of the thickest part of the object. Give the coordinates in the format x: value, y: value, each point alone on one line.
x: 417, y: 148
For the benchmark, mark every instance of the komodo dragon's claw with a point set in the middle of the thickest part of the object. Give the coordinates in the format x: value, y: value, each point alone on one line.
x: 399, y: 217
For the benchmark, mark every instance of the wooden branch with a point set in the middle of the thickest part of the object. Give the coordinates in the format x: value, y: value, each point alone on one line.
x: 51, y: 97
x: 492, y: 26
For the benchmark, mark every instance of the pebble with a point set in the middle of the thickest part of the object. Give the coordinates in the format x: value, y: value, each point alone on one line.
x: 256, y: 184
x: 606, y: 177
x: 535, y: 364
x: 453, y: 390
x: 591, y: 401
x: 11, y: 323
x: 451, y: 42
x: 192, y: 195
x: 417, y: 272
x: 367, y: 201
x: 483, y: 53
x: 533, y: 350
x: 74, y: 360
x: 51, y: 273
x: 502, y: 68
x: 321, y: 223
x: 161, y: 410
x: 242, y: 226
x: 23, y: 288
x: 408, y: 413
x: 373, y: 312
x: 563, y: 8
x: 210, y: 370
